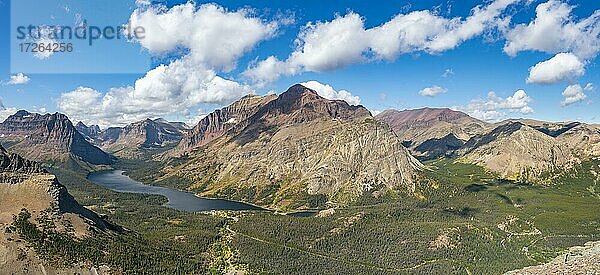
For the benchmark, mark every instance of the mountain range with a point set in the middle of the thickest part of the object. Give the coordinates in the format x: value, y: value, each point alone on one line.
x: 133, y: 140
x: 300, y: 151
x: 293, y: 149
x: 48, y: 137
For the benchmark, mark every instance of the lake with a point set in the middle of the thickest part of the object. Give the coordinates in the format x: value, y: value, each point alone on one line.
x: 115, y: 180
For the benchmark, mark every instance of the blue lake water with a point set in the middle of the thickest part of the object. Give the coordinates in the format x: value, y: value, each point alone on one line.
x: 115, y: 180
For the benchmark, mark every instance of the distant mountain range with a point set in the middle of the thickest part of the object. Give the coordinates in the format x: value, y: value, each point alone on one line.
x: 431, y: 133
x: 132, y: 140
x: 514, y: 149
x: 299, y: 149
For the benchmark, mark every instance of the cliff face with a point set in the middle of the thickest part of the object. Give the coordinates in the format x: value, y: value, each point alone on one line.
x: 90, y: 133
x: 24, y: 184
x: 517, y: 151
x: 220, y: 121
x: 48, y: 137
x: 299, y: 146
x: 429, y: 128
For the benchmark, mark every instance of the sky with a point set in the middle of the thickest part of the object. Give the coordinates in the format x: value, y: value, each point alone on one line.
x: 493, y: 59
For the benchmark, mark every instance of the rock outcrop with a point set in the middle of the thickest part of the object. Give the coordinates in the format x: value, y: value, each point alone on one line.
x: 579, y: 260
x: 282, y: 151
x: 24, y: 185
x: 49, y: 137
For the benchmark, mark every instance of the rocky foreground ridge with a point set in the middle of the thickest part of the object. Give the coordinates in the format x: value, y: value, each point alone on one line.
x: 578, y: 260
x: 24, y: 185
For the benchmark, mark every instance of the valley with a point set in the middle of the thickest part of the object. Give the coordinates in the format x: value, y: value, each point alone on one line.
x: 476, y: 199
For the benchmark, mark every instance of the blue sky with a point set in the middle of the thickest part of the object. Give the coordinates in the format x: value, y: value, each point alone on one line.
x: 460, y: 75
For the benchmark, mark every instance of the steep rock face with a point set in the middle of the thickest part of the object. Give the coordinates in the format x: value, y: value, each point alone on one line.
x: 414, y: 127
x: 90, y: 133
x: 517, y: 152
x: 220, y: 121
x: 48, y: 137
x: 11, y: 162
x: 23, y: 184
x: 298, y: 146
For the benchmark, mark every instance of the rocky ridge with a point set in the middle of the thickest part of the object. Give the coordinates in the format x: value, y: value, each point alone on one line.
x: 24, y: 185
x: 299, y: 146
x: 517, y: 152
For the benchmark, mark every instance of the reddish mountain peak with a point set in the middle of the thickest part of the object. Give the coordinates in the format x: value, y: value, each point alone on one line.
x: 302, y: 104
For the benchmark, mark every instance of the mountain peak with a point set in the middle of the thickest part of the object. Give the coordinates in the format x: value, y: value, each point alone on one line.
x: 49, y: 137
x: 22, y: 113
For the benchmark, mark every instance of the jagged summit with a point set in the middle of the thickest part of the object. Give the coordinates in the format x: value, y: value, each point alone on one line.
x: 22, y: 113
x: 303, y: 103
x: 11, y: 162
x: 297, y: 104
x: 48, y: 137
x: 132, y: 140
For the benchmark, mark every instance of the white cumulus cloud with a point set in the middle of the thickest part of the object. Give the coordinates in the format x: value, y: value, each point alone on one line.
x: 495, y: 108
x: 432, y: 91
x: 561, y: 67
x: 329, y: 92
x: 572, y: 94
x: 325, y: 46
x: 6, y: 112
x: 214, y: 37
x: 556, y: 30
x: 18, y: 79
